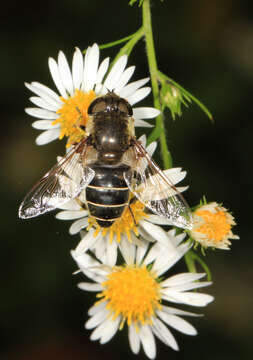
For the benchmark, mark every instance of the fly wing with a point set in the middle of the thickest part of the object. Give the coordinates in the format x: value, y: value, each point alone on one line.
x: 154, y: 189
x: 62, y: 183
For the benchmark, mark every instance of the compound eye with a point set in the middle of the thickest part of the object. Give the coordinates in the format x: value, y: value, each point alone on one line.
x: 125, y: 107
x: 97, y: 106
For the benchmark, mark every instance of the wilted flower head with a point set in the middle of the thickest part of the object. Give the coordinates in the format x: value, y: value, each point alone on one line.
x: 213, y: 226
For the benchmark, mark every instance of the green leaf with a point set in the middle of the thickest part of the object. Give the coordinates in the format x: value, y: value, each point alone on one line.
x: 128, y: 47
x: 113, y: 43
x: 132, y: 2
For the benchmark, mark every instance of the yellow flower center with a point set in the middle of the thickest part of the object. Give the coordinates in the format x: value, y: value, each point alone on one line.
x: 73, y: 116
x: 216, y: 225
x: 124, y: 225
x: 133, y: 293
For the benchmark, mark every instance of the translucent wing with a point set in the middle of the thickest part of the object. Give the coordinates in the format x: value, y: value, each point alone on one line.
x: 154, y: 189
x: 62, y: 183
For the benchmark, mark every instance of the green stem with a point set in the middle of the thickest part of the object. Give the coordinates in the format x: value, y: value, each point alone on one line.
x: 191, y: 258
x: 190, y: 263
x: 113, y: 43
x: 117, y: 42
x: 160, y: 128
x: 127, y: 48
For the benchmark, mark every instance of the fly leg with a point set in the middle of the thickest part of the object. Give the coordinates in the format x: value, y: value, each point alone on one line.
x: 132, y: 214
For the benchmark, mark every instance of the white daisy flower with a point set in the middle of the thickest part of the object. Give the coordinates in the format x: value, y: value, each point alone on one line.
x: 133, y: 225
x: 65, y: 114
x: 136, y: 295
x: 212, y: 226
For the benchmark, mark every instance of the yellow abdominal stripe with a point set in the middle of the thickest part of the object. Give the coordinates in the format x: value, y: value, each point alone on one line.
x: 122, y: 226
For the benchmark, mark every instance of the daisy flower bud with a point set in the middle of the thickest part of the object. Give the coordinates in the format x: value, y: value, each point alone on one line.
x: 213, y: 226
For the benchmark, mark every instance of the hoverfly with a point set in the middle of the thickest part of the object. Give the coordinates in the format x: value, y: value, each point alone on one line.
x: 109, y: 164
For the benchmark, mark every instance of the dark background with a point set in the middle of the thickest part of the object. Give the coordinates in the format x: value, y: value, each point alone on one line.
x: 207, y: 46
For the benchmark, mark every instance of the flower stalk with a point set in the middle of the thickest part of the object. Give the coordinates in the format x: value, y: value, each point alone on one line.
x: 159, y: 131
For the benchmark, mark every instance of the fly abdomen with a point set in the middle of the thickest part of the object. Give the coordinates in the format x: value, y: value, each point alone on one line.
x: 107, y: 194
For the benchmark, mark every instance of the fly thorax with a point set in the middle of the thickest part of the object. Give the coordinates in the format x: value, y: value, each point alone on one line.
x: 110, y: 137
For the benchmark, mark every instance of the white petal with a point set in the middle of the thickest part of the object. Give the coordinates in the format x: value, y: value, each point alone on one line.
x: 165, y: 263
x: 115, y: 73
x: 44, y: 125
x: 70, y: 205
x: 189, y: 286
x: 141, y: 251
x: 182, y: 188
x: 99, y: 272
x: 90, y: 67
x: 164, y: 334
x: 93, y: 275
x: 145, y: 235
x: 38, y: 101
x: 47, y: 136
x: 128, y: 251
x: 86, y: 242
x: 194, y: 299
x: 111, y: 253
x: 134, y: 339
x: 84, y: 260
x: 125, y: 77
x: 143, y: 140
x: 175, y: 175
x: 45, y: 92
x: 142, y: 123
x: 174, y: 311
x: 71, y: 215
x: 182, y: 278
x: 148, y: 341
x: 139, y: 95
x: 102, y: 70
x: 151, y: 148
x: 176, y: 239
x: 78, y: 225
x: 42, y: 113
x: 99, y: 331
x: 97, y: 319
x: 159, y: 220
x: 82, y: 196
x: 160, y: 265
x: 157, y: 251
x: 99, y: 89
x: 90, y: 287
x: 96, y: 308
x: 145, y: 113
x: 53, y: 67
x: 86, y: 61
x: 65, y: 73
x: 100, y: 248
x: 138, y: 241
x: 132, y: 88
x: 177, y: 323
x: 77, y: 68
x: 155, y: 231
x: 103, y: 90
x: 110, y: 330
